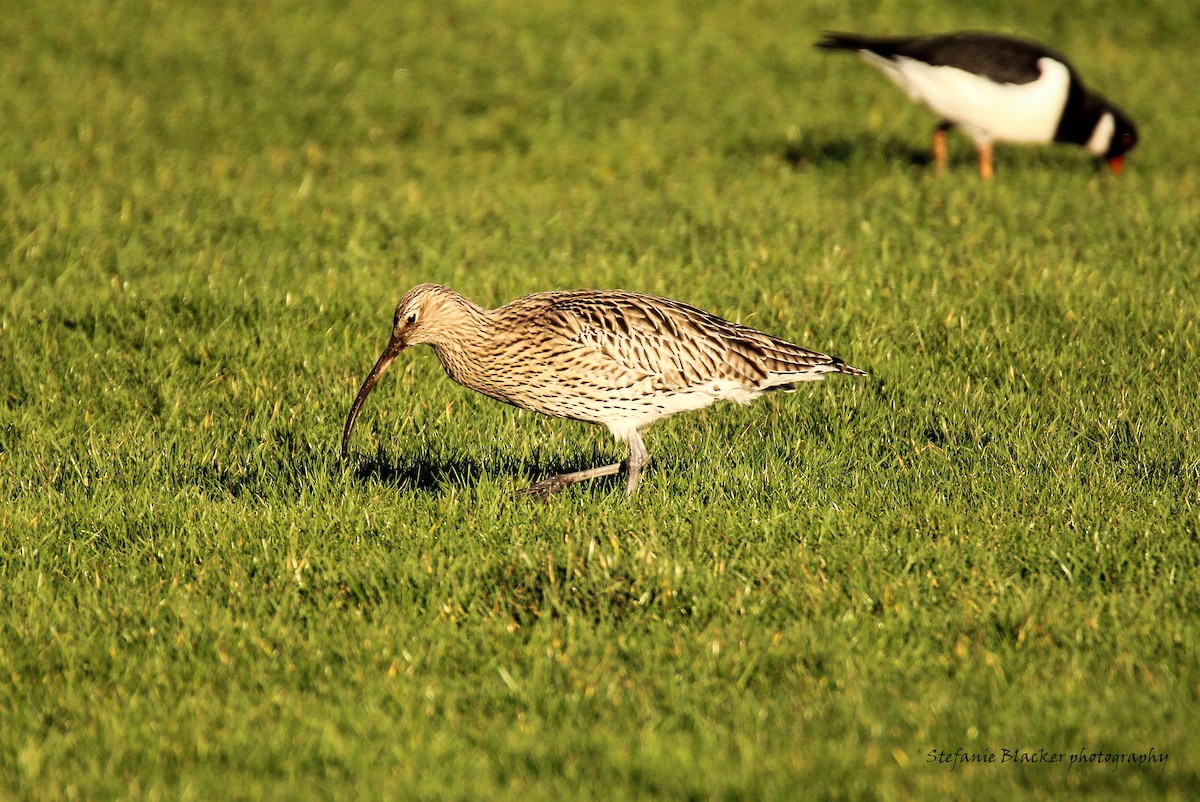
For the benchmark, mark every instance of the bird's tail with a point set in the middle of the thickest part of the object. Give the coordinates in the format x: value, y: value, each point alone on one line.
x: 837, y: 365
x: 852, y: 41
x: 787, y: 380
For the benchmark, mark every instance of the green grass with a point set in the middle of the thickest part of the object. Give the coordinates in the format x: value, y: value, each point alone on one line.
x: 207, y: 214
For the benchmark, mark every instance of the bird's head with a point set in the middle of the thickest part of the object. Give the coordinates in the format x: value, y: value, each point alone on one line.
x: 421, y: 313
x: 1124, y: 137
x: 419, y: 318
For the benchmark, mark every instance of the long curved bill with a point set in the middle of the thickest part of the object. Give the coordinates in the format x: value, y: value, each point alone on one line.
x: 393, y: 349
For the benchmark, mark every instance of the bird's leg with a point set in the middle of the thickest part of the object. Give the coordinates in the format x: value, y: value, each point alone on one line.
x: 548, y: 487
x: 985, y: 161
x: 941, y: 149
x: 639, y: 456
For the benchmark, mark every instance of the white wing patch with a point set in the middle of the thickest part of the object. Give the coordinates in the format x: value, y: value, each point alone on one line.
x: 1102, y: 135
x: 986, y: 110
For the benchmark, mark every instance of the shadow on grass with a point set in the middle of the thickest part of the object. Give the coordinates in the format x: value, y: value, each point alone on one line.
x: 429, y: 476
x: 423, y: 475
x: 816, y: 150
x: 810, y: 151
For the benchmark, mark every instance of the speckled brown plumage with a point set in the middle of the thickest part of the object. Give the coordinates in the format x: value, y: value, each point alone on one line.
x: 619, y: 359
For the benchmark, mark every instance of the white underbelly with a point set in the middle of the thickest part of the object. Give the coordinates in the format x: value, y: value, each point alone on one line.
x: 987, y: 110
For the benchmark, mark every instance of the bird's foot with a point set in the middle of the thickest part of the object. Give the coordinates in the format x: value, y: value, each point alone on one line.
x: 548, y: 487
x: 633, y: 471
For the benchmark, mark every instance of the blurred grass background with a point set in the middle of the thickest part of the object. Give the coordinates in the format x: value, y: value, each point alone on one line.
x: 207, y: 214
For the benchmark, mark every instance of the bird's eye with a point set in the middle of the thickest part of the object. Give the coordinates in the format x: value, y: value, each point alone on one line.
x: 411, y: 319
x: 1127, y: 140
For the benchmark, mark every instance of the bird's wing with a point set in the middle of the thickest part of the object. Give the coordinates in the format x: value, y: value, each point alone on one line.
x: 673, y: 345
x: 1000, y: 58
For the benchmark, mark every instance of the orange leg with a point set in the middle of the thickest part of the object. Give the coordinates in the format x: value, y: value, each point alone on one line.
x: 941, y: 150
x: 985, y: 161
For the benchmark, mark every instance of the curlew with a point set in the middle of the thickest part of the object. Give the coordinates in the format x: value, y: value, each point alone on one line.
x: 619, y: 359
x: 996, y: 88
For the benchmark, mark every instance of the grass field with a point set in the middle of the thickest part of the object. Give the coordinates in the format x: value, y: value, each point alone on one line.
x: 207, y: 214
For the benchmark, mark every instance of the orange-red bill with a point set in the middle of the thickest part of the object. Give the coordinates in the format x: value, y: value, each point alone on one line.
x: 1116, y: 164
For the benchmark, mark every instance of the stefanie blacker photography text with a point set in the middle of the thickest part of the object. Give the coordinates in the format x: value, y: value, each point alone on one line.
x: 1040, y: 755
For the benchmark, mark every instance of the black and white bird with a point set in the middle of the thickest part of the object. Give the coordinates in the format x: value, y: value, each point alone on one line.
x: 997, y: 89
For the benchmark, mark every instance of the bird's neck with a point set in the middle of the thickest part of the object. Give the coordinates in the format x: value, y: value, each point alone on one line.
x: 1081, y: 111
x: 464, y: 348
